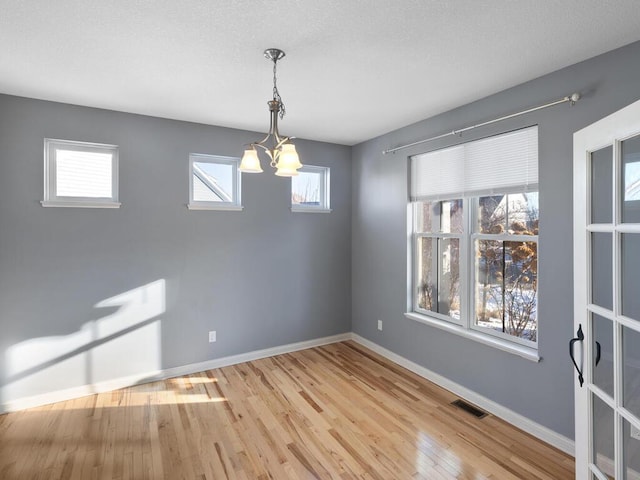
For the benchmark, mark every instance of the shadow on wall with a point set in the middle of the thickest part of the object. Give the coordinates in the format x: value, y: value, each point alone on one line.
x: 125, y: 344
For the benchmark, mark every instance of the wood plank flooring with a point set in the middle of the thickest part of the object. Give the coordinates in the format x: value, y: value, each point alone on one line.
x: 333, y: 412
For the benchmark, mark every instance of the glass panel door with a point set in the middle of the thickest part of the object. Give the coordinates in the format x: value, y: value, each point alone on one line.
x: 607, y: 296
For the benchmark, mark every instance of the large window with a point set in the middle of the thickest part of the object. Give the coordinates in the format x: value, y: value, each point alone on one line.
x: 214, y: 183
x: 474, y: 238
x: 80, y: 174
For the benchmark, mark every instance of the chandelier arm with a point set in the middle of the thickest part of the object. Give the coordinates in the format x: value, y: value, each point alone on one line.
x: 282, y: 141
x: 271, y: 153
x: 263, y: 141
x: 266, y: 149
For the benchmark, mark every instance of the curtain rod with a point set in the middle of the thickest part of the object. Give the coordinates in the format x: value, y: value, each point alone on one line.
x: 573, y: 98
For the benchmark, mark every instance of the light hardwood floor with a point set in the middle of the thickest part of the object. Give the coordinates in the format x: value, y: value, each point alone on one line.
x: 333, y: 412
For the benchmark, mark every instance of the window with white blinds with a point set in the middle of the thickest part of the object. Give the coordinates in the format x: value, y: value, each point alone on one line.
x: 474, y: 240
x: 80, y: 174
x: 505, y: 163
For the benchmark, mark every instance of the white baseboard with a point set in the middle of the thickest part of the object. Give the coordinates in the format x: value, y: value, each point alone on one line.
x: 543, y: 433
x: 129, y: 381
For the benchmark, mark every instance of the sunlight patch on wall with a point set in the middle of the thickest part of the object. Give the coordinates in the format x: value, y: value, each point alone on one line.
x: 125, y: 343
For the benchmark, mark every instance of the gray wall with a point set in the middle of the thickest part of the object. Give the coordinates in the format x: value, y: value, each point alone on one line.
x: 541, y: 391
x: 263, y: 277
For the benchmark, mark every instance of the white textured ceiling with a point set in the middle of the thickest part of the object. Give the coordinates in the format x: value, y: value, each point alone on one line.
x: 354, y: 68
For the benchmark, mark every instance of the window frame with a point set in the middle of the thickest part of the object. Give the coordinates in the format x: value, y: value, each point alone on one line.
x: 236, y: 203
x: 325, y: 190
x: 466, y: 326
x: 51, y: 197
x: 504, y: 163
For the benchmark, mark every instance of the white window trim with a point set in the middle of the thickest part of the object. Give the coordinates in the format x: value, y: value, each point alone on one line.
x: 465, y: 326
x: 480, y: 337
x: 236, y: 204
x: 325, y: 189
x: 51, y: 199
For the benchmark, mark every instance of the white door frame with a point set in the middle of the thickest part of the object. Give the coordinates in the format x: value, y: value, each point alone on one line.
x: 610, y: 130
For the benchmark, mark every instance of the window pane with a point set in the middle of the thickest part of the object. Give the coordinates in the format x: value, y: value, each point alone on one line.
x: 520, y: 289
x: 427, y: 287
x: 439, y: 275
x: 522, y: 213
x: 489, y: 285
x: 631, y: 180
x: 631, y: 370
x: 602, y: 329
x: 445, y: 217
x: 516, y: 214
x: 83, y: 174
x: 631, y: 455
x: 631, y: 275
x: 603, y: 436
x: 213, y: 182
x: 602, y: 185
x: 305, y: 188
x: 602, y: 270
x: 424, y: 216
x: 451, y: 216
x: 506, y: 287
x: 492, y: 214
x: 449, y: 277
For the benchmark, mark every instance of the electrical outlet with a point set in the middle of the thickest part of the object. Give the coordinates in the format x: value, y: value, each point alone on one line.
x: 380, y: 325
x: 635, y: 432
x: 212, y: 336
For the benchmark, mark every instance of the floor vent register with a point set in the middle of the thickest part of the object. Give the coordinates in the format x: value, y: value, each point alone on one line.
x: 467, y: 407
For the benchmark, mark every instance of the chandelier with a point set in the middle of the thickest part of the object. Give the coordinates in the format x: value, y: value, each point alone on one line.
x: 280, y: 150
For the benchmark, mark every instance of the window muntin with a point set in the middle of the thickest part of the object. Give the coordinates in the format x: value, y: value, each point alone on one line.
x: 80, y: 174
x: 214, y: 182
x: 310, y: 189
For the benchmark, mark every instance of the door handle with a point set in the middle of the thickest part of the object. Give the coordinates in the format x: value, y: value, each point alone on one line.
x: 597, y: 353
x: 579, y: 338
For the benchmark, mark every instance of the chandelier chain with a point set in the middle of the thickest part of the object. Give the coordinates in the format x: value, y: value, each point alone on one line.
x: 276, y: 94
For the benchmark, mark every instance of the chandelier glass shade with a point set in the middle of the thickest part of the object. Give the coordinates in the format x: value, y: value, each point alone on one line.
x: 279, y: 149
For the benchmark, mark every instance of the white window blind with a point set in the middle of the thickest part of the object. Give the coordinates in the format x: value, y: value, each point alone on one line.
x: 503, y: 163
x: 84, y: 174
x: 80, y: 174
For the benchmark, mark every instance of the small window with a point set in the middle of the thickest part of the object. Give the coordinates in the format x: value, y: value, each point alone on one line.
x: 310, y: 190
x: 214, y: 182
x: 80, y: 174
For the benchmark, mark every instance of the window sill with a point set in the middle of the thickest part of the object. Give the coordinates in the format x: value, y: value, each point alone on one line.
x: 61, y: 203
x: 506, y: 346
x: 297, y: 209
x: 231, y: 208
